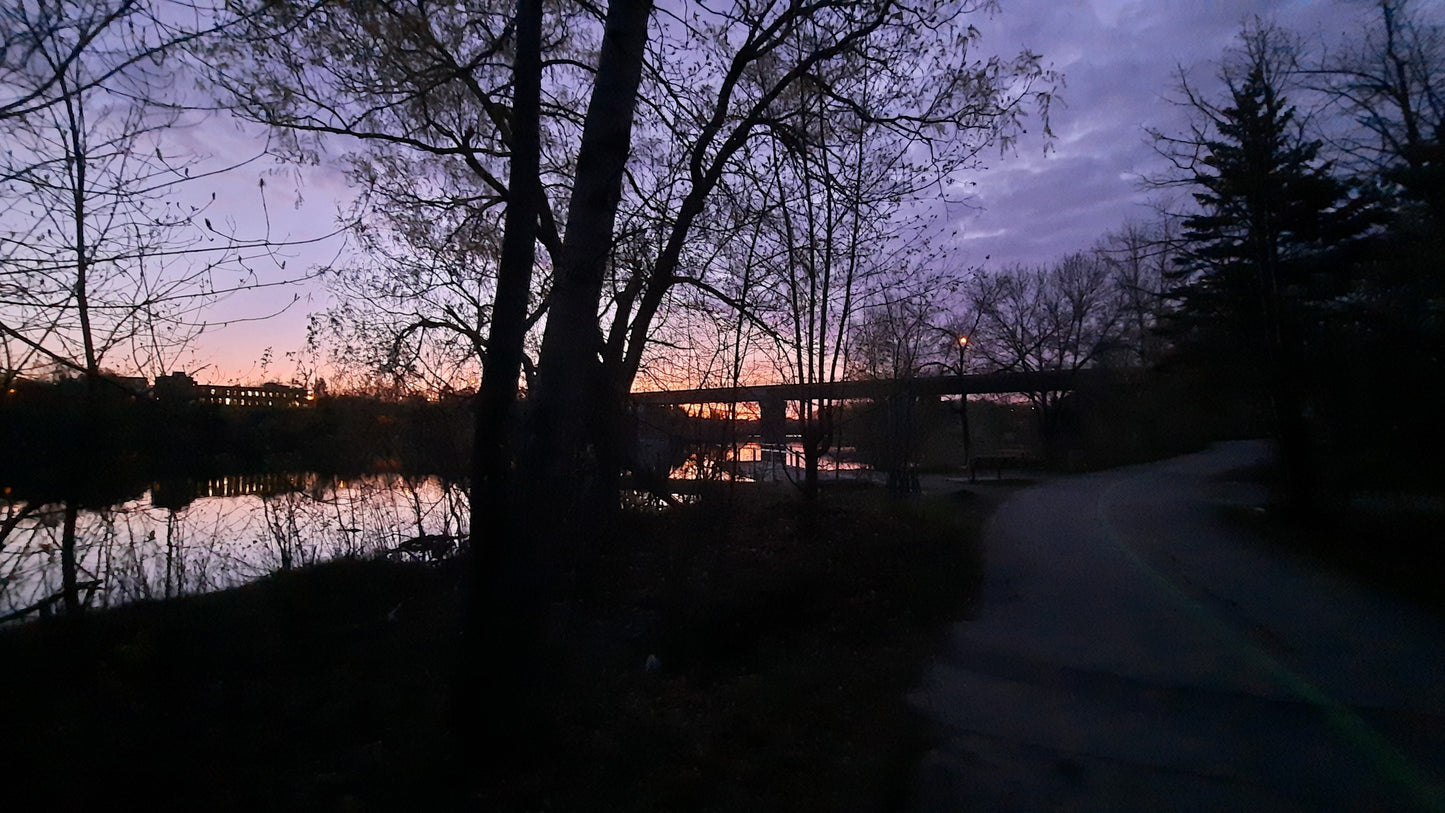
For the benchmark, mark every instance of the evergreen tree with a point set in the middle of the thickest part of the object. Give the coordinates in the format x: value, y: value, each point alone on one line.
x: 1267, y: 251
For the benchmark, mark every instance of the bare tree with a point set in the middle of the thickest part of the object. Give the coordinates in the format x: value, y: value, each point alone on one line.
x: 831, y: 209
x: 440, y: 84
x: 1139, y: 257
x: 745, y: 90
x: 801, y: 73
x: 107, y: 246
x: 897, y: 337
x: 42, y: 42
x: 1390, y: 85
x: 416, y: 303
x: 545, y: 125
x: 1062, y: 318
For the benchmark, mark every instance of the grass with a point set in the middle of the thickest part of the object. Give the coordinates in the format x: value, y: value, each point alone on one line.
x: 780, y: 650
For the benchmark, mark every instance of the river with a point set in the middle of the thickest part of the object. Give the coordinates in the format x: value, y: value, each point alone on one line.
x: 195, y: 536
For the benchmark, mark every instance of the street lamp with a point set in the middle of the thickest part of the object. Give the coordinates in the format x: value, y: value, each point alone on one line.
x: 963, y: 412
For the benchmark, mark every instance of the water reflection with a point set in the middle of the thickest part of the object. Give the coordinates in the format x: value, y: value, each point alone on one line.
x: 761, y: 462
x: 182, y: 492
x: 185, y: 537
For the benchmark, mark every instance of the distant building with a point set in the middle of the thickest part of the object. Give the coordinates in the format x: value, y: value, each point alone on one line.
x: 181, y: 387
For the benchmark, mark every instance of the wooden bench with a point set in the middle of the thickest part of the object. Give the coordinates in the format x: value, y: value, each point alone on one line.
x: 998, y: 461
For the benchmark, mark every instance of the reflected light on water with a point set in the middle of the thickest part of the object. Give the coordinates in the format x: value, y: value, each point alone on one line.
x: 214, y: 534
x: 750, y: 462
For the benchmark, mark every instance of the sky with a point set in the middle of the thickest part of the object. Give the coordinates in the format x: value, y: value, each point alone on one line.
x: 1120, y: 60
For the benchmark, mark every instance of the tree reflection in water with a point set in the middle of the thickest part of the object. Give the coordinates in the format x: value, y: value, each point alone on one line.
x: 186, y: 537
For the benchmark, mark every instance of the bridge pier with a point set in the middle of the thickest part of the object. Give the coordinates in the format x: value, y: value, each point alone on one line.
x: 773, y: 424
x: 902, y: 438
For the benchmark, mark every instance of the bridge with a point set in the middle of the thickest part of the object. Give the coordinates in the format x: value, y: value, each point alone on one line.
x: 766, y: 395
x: 772, y: 399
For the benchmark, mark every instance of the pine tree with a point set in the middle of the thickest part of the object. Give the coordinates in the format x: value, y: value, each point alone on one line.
x: 1267, y: 249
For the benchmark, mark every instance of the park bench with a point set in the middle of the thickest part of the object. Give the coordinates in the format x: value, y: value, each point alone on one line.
x: 999, y: 460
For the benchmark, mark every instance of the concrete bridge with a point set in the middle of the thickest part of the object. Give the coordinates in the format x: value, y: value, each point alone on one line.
x: 771, y: 394
x: 772, y: 399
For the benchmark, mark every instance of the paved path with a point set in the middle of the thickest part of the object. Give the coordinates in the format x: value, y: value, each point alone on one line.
x: 1132, y: 651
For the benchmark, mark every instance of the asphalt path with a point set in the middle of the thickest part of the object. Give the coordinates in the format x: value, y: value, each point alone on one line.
x: 1134, y: 649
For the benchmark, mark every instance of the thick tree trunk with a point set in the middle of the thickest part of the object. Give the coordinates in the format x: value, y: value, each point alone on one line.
x: 512, y: 530
x: 492, y: 453
x: 504, y: 609
x: 503, y: 363
x: 572, y: 415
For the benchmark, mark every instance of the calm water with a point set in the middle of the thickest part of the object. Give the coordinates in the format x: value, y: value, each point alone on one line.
x: 188, y: 537
x: 754, y: 462
x: 197, y: 536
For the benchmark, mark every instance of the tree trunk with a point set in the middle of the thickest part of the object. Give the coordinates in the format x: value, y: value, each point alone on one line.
x: 69, y: 566
x: 811, y: 452
x: 504, y: 608
x: 573, y: 406
x: 512, y: 522
x: 491, y: 465
x: 503, y: 363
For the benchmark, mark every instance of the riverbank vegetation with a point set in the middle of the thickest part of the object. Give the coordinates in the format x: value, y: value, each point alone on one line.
x: 52, y: 441
x: 714, y: 656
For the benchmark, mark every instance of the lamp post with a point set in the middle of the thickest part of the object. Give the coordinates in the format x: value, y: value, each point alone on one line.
x: 963, y: 413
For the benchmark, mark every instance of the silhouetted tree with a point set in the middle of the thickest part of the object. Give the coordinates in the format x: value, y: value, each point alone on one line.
x: 832, y: 201
x: 42, y: 45
x: 1388, y: 85
x: 1139, y: 257
x: 1060, y: 318
x: 1385, y: 85
x: 439, y: 85
x: 107, y: 250
x: 895, y: 339
x: 619, y: 226
x: 1263, y: 248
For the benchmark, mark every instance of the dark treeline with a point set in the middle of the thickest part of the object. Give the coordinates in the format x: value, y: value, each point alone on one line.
x: 59, y: 446
x: 1308, y: 277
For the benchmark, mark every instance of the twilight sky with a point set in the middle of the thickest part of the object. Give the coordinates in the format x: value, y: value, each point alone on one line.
x: 1120, y: 59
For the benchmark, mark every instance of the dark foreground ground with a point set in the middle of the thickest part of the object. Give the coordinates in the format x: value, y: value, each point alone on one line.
x: 782, y: 656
